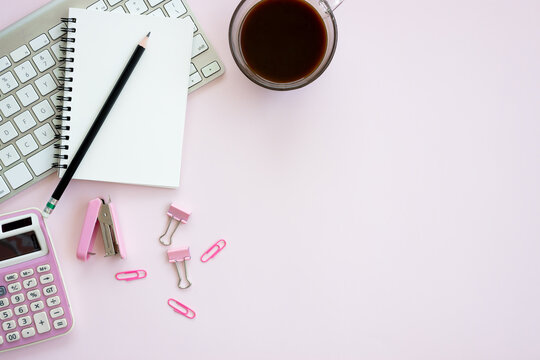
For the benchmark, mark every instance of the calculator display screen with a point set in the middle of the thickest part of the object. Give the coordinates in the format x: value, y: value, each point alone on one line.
x: 18, y: 245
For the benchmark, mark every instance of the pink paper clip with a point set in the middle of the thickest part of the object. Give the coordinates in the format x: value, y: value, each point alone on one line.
x: 177, y: 214
x: 131, y: 275
x: 181, y: 308
x: 218, y: 246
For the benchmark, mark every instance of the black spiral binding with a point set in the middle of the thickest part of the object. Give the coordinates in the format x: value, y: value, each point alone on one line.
x: 64, y: 109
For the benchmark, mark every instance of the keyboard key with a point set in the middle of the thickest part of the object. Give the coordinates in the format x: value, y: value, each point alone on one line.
x: 18, y: 175
x: 27, y: 95
x: 53, y: 301
x: 59, y: 311
x: 192, y: 68
x: 175, y: 8
x: 54, y: 99
x: 44, y: 134
x: 42, y: 110
x: 9, y: 325
x: 199, y: 45
x: 210, y: 69
x: 20, y: 53
x: 45, y: 84
x: 9, y: 106
x: 6, y: 314
x: 20, y: 310
x: 4, y: 302
x: 7, y: 132
x: 44, y: 60
x: 11, y: 277
x: 37, y: 305
x: 4, y: 190
x: 43, y: 268
x: 58, y: 73
x: 9, y: 155
x: 39, y: 42
x: 26, y: 145
x: 56, y: 31
x: 194, y: 79
x: 27, y: 272
x: 136, y: 6
x: 46, y: 279
x: 13, y: 336
x: 29, y: 283
x: 28, y: 332
x: 60, y: 324
x: 99, y: 6
x: 49, y: 290
x: 33, y: 295
x: 113, y: 2
x: 158, y: 13
x: 188, y: 18
x: 4, y: 63
x: 25, y: 71
x: 25, y: 320
x: 56, y: 50
x: 24, y: 121
x: 17, y: 298
x: 155, y: 2
x: 8, y: 82
x: 119, y: 10
x: 42, y: 322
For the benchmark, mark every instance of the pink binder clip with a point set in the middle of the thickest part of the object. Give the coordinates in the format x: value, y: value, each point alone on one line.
x: 104, y: 213
x: 180, y: 256
x: 181, y: 308
x: 130, y: 275
x: 213, y: 250
x: 177, y: 214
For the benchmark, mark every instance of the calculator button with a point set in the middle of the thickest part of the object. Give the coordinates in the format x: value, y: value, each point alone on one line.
x: 1, y: 340
x: 17, y: 298
x: 60, y: 323
x: 19, y: 310
x: 8, y: 325
x: 6, y: 314
x: 15, y: 287
x: 3, y: 291
x: 43, y: 268
x: 28, y: 332
x: 14, y: 336
x: 4, y: 302
x: 53, y: 301
x: 29, y: 283
x: 46, y: 279
x: 27, y: 272
x: 11, y: 277
x: 49, y: 290
x: 25, y: 320
x: 33, y: 295
x: 42, y: 322
x: 59, y: 311
x: 37, y: 305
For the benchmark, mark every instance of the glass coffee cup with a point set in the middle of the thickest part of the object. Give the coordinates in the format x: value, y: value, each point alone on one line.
x: 283, y: 44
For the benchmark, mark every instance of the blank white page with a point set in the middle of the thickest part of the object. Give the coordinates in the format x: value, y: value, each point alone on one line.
x: 141, y: 139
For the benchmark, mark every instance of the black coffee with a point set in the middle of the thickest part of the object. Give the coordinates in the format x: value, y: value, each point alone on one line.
x: 283, y: 40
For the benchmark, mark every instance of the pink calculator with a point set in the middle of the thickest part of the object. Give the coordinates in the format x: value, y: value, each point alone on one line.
x: 34, y: 306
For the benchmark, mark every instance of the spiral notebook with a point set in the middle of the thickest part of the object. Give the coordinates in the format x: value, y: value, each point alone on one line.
x: 141, y: 139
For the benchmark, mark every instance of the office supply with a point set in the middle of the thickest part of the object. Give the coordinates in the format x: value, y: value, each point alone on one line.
x: 30, y: 53
x: 141, y: 141
x: 180, y: 216
x: 105, y: 214
x: 131, y: 275
x: 213, y: 250
x: 97, y: 123
x: 34, y: 305
x: 181, y: 308
x: 178, y: 256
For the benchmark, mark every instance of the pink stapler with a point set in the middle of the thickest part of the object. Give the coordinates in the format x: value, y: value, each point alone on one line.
x: 99, y: 211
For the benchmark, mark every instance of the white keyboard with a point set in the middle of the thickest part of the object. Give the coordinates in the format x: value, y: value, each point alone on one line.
x: 31, y: 53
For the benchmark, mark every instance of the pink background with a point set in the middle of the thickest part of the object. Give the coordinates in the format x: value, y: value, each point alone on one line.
x: 390, y: 210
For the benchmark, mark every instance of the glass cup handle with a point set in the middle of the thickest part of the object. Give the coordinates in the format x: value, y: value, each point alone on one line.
x: 330, y: 5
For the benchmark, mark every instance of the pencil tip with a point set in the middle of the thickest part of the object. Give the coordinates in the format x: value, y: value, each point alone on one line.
x: 148, y: 35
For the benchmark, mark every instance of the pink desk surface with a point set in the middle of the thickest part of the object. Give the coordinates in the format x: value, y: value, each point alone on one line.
x: 388, y: 211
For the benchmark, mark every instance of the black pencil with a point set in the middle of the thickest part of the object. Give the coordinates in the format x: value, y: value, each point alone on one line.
x: 90, y: 136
